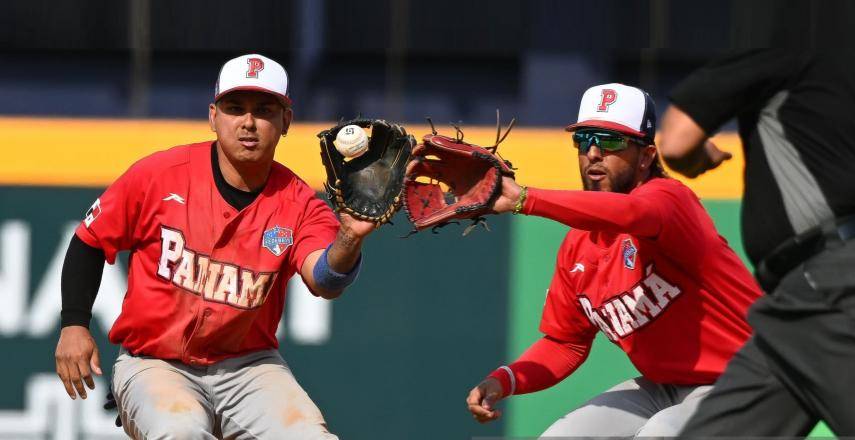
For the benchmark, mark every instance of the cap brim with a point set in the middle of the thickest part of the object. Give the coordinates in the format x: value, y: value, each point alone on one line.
x: 595, y: 123
x: 285, y: 100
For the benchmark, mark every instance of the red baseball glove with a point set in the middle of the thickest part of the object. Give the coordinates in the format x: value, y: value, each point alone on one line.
x: 449, y: 179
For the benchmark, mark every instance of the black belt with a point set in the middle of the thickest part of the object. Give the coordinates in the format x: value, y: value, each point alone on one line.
x: 789, y: 254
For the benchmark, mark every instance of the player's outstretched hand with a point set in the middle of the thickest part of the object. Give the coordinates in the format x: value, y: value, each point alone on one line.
x: 76, y: 359
x: 359, y: 228
x: 509, y: 197
x: 482, y: 400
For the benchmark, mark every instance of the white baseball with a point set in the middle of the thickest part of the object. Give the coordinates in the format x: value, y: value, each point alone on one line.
x: 351, y: 141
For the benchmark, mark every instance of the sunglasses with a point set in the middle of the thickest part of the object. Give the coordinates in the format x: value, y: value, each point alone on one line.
x: 604, y: 140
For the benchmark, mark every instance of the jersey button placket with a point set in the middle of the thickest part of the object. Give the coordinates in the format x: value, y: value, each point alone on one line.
x: 206, y: 315
x: 191, y: 348
x: 227, y: 228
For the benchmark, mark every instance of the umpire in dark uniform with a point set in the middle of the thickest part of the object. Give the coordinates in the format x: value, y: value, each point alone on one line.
x: 796, y: 122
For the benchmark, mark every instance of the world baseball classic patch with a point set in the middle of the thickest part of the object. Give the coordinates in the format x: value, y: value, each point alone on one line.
x: 277, y: 239
x: 628, y: 251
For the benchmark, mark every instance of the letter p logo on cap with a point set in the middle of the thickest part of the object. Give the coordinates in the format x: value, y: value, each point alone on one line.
x: 255, y: 65
x: 607, y: 98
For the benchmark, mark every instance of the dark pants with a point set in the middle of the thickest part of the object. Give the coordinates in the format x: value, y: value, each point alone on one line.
x: 799, y: 367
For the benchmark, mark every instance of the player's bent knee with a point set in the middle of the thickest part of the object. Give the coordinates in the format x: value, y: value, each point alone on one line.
x: 661, y: 427
x: 179, y: 429
x: 178, y: 426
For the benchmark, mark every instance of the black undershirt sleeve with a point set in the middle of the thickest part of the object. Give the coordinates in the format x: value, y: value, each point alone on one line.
x: 81, y: 278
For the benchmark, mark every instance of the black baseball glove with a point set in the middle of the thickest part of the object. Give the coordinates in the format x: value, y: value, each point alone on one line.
x: 368, y: 186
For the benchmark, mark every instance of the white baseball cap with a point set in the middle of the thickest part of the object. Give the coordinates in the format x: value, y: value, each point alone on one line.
x: 618, y: 107
x: 253, y: 72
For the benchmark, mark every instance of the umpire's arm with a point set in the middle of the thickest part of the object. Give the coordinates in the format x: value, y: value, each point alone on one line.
x: 685, y: 146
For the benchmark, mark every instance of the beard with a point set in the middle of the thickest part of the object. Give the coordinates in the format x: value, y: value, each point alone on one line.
x: 618, y: 183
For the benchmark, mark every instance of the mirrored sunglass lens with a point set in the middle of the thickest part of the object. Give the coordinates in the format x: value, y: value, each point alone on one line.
x: 578, y: 140
x: 605, y: 141
x: 582, y: 145
x: 611, y: 143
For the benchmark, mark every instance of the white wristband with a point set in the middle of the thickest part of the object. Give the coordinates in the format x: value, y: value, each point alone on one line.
x: 513, y: 379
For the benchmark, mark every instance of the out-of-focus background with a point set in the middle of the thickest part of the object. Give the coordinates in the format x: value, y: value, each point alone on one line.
x: 89, y: 86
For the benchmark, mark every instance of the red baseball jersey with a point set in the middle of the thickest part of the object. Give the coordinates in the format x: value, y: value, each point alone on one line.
x: 206, y: 282
x: 676, y: 303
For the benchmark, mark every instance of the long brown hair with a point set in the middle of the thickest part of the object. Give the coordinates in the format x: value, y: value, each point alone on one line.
x: 656, y: 167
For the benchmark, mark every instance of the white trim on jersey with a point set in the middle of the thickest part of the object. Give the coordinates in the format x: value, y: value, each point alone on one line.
x: 510, y: 372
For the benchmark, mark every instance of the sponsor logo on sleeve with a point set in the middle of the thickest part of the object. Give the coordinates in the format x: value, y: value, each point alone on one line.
x: 93, y: 213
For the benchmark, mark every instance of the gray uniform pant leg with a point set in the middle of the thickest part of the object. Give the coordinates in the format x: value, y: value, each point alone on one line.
x: 636, y: 407
x: 160, y: 400
x: 250, y: 397
x: 257, y: 396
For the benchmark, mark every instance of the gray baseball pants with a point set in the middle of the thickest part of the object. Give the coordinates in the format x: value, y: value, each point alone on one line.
x: 634, y: 408
x: 250, y: 397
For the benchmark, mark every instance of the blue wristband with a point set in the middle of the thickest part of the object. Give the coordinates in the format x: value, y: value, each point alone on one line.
x: 328, y: 279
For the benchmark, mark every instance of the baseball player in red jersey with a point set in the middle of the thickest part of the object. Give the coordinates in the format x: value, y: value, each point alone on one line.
x: 215, y: 230
x: 643, y: 264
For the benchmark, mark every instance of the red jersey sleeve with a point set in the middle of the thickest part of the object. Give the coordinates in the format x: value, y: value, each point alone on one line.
x: 317, y: 230
x: 110, y: 223
x: 547, y: 362
x: 641, y: 213
x: 563, y: 317
x: 596, y: 211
